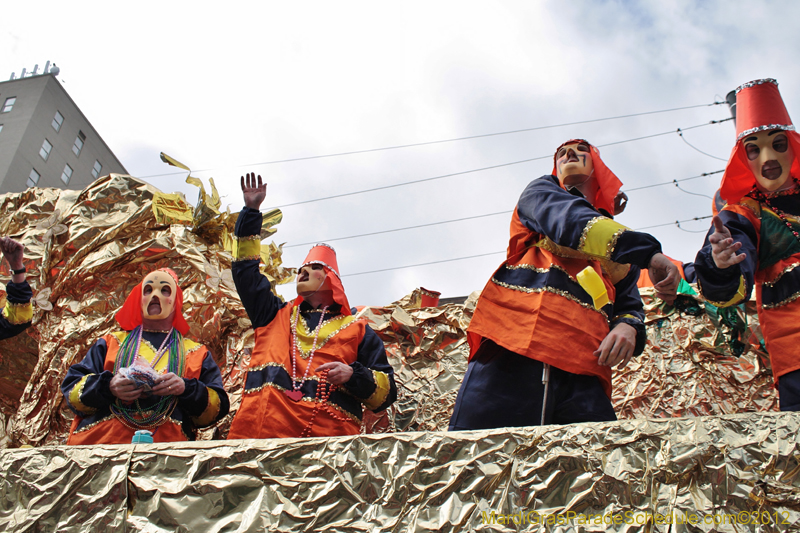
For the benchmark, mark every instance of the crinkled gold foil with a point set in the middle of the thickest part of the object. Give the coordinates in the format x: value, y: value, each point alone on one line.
x: 731, y: 473
x: 84, y: 252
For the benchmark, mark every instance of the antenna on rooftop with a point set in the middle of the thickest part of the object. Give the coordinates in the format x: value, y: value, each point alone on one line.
x: 54, y: 70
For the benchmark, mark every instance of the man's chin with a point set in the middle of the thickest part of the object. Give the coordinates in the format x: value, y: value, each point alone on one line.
x: 318, y: 293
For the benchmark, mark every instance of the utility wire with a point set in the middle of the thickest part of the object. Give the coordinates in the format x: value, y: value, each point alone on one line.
x: 537, y: 128
x: 507, y: 212
x: 704, y: 174
x: 424, y: 264
x: 677, y: 223
x: 401, y: 229
x: 363, y: 191
x: 698, y: 149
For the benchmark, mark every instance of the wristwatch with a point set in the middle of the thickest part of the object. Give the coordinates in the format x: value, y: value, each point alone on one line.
x: 19, y: 270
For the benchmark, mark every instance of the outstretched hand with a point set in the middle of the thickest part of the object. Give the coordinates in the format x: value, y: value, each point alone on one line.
x: 723, y: 249
x: 665, y: 277
x: 253, y: 194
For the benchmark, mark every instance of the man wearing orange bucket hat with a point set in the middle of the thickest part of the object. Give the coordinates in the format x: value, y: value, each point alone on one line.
x: 564, y: 307
x: 125, y: 384
x: 314, y: 365
x: 755, y: 238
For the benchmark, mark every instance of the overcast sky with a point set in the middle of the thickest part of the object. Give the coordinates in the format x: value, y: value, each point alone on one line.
x: 231, y: 89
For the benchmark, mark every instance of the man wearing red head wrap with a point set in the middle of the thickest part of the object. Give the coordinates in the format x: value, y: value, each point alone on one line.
x: 564, y: 307
x: 18, y: 312
x: 314, y: 365
x: 755, y: 238
x: 125, y: 383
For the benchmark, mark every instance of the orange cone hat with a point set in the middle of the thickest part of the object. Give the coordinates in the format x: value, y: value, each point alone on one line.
x: 759, y: 107
x: 325, y: 255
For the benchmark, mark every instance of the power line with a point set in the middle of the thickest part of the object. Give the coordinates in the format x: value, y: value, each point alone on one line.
x: 424, y: 264
x: 412, y: 145
x: 412, y: 182
x: 506, y: 212
x: 677, y: 223
x: 675, y: 181
x: 400, y: 229
x: 698, y: 149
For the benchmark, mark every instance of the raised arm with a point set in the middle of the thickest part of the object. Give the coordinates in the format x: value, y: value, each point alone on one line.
x: 254, y: 288
x: 572, y: 221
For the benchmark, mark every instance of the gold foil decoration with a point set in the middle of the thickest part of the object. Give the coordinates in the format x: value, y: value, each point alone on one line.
x: 712, y: 474
x: 115, y: 231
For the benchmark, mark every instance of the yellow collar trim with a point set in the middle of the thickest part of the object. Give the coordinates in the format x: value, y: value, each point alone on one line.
x: 330, y: 328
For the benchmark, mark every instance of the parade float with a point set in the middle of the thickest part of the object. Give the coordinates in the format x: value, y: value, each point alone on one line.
x: 699, y: 445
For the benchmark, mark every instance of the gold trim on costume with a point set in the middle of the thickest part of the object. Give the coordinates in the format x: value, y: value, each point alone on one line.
x: 615, y: 271
x: 17, y: 314
x: 75, y: 397
x: 599, y: 237
x: 210, y: 412
x: 737, y: 298
x: 780, y: 275
x: 265, y: 365
x: 631, y: 317
x: 788, y: 300
x: 93, y: 424
x: 306, y: 399
x: 330, y: 328
x: 559, y: 292
x: 382, y: 389
x: 246, y: 248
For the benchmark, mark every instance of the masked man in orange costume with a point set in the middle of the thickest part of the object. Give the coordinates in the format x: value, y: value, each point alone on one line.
x: 755, y: 239
x: 313, y: 365
x: 18, y: 312
x: 182, y: 389
x: 564, y: 307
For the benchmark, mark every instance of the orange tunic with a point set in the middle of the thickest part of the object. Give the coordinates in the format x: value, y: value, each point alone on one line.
x: 267, y: 412
x: 97, y: 425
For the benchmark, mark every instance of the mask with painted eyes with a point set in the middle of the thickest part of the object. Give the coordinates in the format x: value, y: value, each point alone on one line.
x: 312, y: 278
x: 770, y: 156
x: 159, y: 291
x: 574, y: 164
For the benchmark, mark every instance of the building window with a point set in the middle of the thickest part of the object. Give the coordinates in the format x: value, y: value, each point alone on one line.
x: 44, y: 151
x: 9, y: 104
x: 58, y: 120
x: 33, y: 179
x: 77, y: 146
x: 96, y: 169
x: 67, y: 174
x: 1, y: 127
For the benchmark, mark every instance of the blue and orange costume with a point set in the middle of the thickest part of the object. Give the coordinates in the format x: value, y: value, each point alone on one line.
x: 767, y: 225
x: 99, y: 418
x: 18, y: 311
x: 268, y: 409
x: 534, y: 311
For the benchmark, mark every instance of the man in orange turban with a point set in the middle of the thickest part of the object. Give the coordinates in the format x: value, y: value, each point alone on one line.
x: 564, y: 307
x: 147, y: 377
x: 18, y: 312
x: 755, y: 238
x: 314, y: 365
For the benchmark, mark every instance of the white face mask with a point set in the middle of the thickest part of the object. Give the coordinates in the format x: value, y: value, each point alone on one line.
x: 574, y: 164
x: 159, y: 293
x: 770, y: 157
x: 311, y: 280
